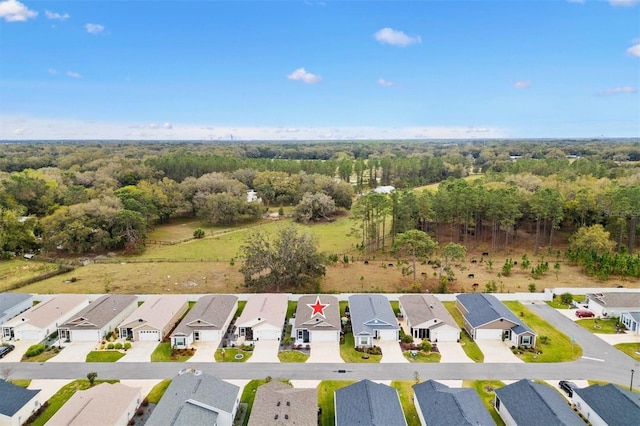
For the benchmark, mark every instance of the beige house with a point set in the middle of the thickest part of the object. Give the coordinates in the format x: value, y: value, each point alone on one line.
x: 207, y: 321
x: 154, y: 319
x: 112, y: 404
x: 35, y: 324
x: 263, y: 317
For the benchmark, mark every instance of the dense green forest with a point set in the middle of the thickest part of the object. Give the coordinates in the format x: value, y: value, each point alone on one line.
x: 79, y: 197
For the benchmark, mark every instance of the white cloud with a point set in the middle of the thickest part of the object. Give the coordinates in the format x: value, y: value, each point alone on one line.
x: 384, y: 83
x: 306, y: 77
x: 56, y: 16
x: 634, y: 50
x: 522, y: 84
x: 167, y: 126
x: 618, y: 91
x: 73, y: 74
x: 52, y: 71
x: 623, y: 2
x: 14, y: 11
x: 395, y: 37
x: 94, y: 28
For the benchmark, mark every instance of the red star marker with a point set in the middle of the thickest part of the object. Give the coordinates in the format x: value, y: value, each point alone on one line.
x: 318, y: 307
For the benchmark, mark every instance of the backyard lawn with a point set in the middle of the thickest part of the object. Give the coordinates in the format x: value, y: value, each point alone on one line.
x: 104, y: 356
x: 349, y: 353
x: 559, y: 347
x: 326, y: 388
x: 469, y: 346
x: 485, y: 389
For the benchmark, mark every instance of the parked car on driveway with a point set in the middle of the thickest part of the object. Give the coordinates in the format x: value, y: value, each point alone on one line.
x: 568, y: 387
x: 5, y: 350
x: 583, y: 313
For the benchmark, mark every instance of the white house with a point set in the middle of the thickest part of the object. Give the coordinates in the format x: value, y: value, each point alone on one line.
x: 11, y: 304
x: 427, y: 318
x: 263, y: 317
x: 98, y: 319
x: 631, y: 320
x: 154, y: 318
x: 17, y: 403
x: 612, y: 304
x: 207, y: 321
x: 317, y: 319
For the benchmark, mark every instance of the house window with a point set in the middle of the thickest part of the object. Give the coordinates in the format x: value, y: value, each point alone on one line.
x: 364, y: 341
x: 526, y: 340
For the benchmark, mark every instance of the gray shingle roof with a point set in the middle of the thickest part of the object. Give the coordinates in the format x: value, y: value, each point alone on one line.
x: 421, y: 308
x: 193, y: 400
x: 370, y: 312
x: 485, y: 308
x: 9, y: 300
x: 330, y: 320
x: 616, y: 299
x: 14, y: 397
x: 100, y: 312
x: 211, y: 310
x: 279, y: 404
x: 616, y: 406
x: 368, y: 403
x: 445, y: 406
x: 534, y: 404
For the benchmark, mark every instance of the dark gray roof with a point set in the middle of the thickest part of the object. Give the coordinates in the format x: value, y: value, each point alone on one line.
x: 484, y: 308
x: 210, y: 312
x: 616, y: 299
x: 9, y: 300
x: 14, y: 397
x: 370, y: 312
x: 616, y: 406
x: 277, y: 403
x: 100, y: 312
x: 445, y: 406
x: 368, y: 403
x: 421, y: 308
x: 534, y: 404
x: 194, y: 399
x: 330, y: 320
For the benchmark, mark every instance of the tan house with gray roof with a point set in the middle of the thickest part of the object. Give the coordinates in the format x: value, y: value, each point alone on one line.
x: 207, y: 321
x: 277, y: 403
x: 35, y: 324
x: 263, y: 317
x: 98, y: 319
x: 112, y: 404
x: 154, y: 319
x: 427, y: 318
x: 612, y: 304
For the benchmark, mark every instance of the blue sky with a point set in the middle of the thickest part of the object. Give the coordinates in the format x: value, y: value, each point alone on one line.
x: 209, y: 70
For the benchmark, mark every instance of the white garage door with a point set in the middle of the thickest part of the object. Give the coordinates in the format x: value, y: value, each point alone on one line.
x: 489, y: 334
x: 267, y: 334
x: 148, y: 335
x: 30, y: 335
x: 445, y: 336
x: 324, y: 336
x: 389, y: 335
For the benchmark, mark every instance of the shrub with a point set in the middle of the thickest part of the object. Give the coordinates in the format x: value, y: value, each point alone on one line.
x: 198, y: 233
x: 566, y: 298
x: 407, y: 338
x: 140, y: 411
x: 425, y: 346
x: 127, y: 346
x: 110, y: 346
x: 118, y: 345
x: 145, y: 402
x: 35, y: 350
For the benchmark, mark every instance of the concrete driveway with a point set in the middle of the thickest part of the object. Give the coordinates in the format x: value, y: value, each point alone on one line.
x: 265, y: 351
x: 74, y: 352
x: 47, y: 387
x: 497, y: 351
x: 139, y: 352
x: 205, y: 351
x: 569, y: 313
x: 452, y: 352
x: 579, y: 383
x: 614, y: 339
x: 16, y: 354
x: 391, y: 352
x: 325, y: 352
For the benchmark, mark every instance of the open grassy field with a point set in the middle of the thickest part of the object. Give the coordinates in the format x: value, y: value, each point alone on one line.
x: 16, y: 270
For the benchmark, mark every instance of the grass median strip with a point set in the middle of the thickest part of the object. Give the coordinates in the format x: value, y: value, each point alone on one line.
x: 468, y: 346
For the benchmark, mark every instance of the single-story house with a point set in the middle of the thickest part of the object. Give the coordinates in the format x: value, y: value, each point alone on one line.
x: 368, y: 403
x: 37, y: 323
x: 317, y: 319
x: 17, y: 403
x: 11, y: 304
x: 107, y: 404
x: 154, y: 319
x: 427, y: 318
x: 195, y: 398
x: 263, y: 317
x: 608, y: 405
x: 98, y: 319
x: 612, y: 304
x: 486, y: 318
x: 207, y: 321
x: 372, y: 319
x: 440, y: 405
x: 631, y: 320
x: 527, y: 403
x: 277, y: 403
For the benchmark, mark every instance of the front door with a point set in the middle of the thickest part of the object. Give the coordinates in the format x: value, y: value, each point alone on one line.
x: 196, y: 336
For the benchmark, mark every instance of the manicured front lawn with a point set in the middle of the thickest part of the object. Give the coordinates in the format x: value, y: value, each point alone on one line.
x: 326, y: 390
x: 631, y: 349
x: 349, y: 353
x: 62, y: 396
x: 556, y: 303
x: 485, y: 389
x: 158, y: 390
x: 104, y: 356
x: 44, y: 356
x: 469, y: 347
x: 163, y: 354
x: 559, y: 347
x: 595, y: 325
x: 229, y: 355
x: 422, y: 357
x: 292, y: 356
x: 405, y: 392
